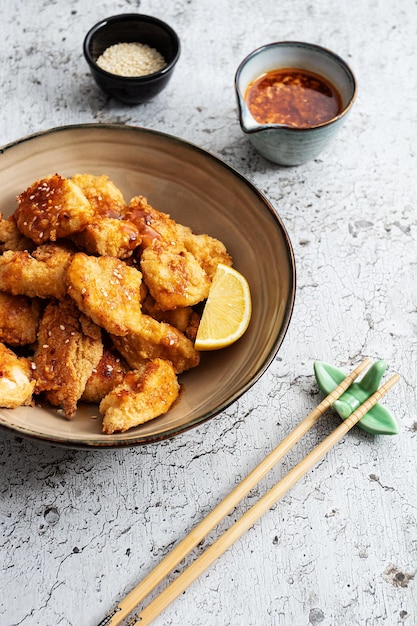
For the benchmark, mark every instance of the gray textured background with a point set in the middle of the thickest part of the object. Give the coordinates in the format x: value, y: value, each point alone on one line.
x: 79, y: 529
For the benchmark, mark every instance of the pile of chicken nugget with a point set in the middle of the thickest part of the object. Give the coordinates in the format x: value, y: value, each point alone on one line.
x: 99, y: 300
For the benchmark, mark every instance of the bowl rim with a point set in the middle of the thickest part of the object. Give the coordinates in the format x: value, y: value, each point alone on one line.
x: 125, y: 17
x: 293, y: 129
x: 95, y: 443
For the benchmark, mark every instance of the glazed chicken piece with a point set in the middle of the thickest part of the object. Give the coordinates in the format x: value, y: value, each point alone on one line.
x: 143, y: 395
x: 152, y: 224
x: 107, y: 233
x: 16, y: 384
x: 51, y: 208
x: 152, y: 339
x: 171, y: 273
x: 107, y: 290
x: 37, y: 274
x: 69, y: 348
x: 11, y: 238
x: 19, y: 319
x: 105, y: 198
x: 107, y: 236
x: 106, y: 376
x: 155, y: 226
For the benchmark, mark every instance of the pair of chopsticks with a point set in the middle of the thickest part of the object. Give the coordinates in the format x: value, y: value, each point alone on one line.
x: 193, y: 571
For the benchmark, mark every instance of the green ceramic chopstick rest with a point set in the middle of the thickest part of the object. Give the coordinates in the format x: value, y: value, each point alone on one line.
x: 378, y: 420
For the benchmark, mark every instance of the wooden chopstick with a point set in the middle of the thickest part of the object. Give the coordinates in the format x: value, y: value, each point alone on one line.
x: 144, y: 588
x: 208, y: 557
x: 149, y: 613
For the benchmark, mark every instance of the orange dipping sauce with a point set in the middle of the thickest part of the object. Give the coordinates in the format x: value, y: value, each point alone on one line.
x: 292, y: 97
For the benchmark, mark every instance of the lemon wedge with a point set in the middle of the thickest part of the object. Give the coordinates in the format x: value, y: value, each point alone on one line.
x: 227, y: 311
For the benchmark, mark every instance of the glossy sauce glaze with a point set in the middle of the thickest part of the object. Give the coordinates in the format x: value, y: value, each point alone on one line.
x: 292, y: 97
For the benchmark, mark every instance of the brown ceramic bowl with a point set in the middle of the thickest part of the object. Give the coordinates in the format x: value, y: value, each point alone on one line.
x: 196, y: 189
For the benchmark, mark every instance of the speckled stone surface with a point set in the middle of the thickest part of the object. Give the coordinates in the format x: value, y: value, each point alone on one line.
x: 79, y: 529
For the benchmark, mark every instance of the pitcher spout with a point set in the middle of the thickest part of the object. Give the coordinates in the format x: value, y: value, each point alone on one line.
x: 247, y: 122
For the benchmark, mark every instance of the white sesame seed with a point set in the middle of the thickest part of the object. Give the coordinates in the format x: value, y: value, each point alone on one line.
x: 131, y: 59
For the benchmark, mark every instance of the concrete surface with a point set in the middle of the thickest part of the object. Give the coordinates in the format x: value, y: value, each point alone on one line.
x: 79, y: 529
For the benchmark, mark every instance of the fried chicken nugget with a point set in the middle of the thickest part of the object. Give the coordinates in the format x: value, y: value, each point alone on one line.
x: 152, y: 224
x: 16, y: 384
x: 171, y: 273
x: 174, y: 279
x: 51, y: 208
x: 157, y: 227
x: 184, y: 319
x: 106, y: 199
x: 143, y: 395
x: 11, y: 238
x: 37, y: 274
x: 19, y: 319
x: 153, y: 339
x: 107, y: 236
x: 208, y: 251
x: 107, y: 290
x: 69, y: 348
x: 107, y: 233
x: 106, y: 376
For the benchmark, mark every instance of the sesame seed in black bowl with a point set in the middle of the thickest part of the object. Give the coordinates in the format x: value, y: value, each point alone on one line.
x: 131, y: 56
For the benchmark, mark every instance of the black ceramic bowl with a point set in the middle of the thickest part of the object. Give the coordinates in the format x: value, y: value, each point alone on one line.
x: 128, y: 28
